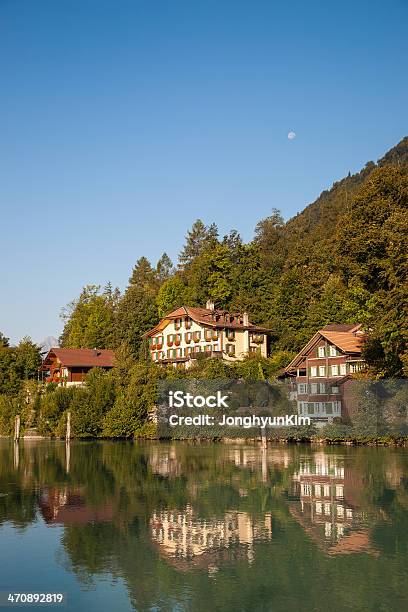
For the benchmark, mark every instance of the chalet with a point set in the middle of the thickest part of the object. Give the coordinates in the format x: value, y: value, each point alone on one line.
x: 319, y: 372
x: 69, y: 367
x: 187, y: 332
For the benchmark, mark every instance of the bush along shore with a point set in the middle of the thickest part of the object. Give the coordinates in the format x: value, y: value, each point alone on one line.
x: 119, y: 404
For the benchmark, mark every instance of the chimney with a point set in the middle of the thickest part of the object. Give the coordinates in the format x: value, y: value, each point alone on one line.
x: 210, y: 305
x: 245, y: 319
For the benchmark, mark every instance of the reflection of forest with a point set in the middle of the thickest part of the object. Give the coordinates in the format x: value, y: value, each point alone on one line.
x: 171, y: 510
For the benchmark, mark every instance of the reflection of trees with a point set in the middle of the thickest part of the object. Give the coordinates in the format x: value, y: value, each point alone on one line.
x: 121, y: 488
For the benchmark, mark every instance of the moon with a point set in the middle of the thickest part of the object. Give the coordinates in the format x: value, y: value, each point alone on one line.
x: 291, y: 135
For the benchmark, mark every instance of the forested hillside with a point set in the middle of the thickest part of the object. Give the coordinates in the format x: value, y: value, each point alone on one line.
x: 343, y: 259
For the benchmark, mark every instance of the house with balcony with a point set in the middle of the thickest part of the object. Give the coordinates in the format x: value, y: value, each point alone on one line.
x: 187, y: 332
x: 69, y: 367
x: 321, y: 370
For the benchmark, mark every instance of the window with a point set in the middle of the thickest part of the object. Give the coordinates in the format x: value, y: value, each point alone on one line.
x: 318, y: 507
x: 230, y: 334
x: 322, y: 370
x: 197, y: 336
x: 335, y: 370
x: 339, y: 490
x: 320, y: 351
x: 208, y: 348
x: 215, y: 347
x: 332, y: 351
x: 310, y: 408
x: 329, y: 408
x: 208, y: 334
x: 313, y: 388
x: 340, y: 511
x: 326, y: 490
x: 230, y: 348
x: 188, y: 337
x: 343, y: 369
x: 322, y: 388
x: 187, y: 322
x: 306, y: 489
x: 335, y: 390
x: 355, y: 367
x: 177, y: 324
x: 313, y: 371
x: 302, y: 388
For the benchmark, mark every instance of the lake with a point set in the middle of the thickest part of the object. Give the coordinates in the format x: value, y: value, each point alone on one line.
x: 220, y: 527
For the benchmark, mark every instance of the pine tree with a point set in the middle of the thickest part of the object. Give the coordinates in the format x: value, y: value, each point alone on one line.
x: 197, y: 239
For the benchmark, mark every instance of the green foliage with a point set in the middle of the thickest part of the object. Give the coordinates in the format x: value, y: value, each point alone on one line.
x: 9, y: 408
x: 171, y: 295
x: 18, y: 364
x: 3, y: 340
x: 136, y: 314
x: 197, y: 240
x: 89, y: 320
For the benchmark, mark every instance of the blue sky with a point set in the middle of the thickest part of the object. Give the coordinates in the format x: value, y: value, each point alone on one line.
x: 122, y: 122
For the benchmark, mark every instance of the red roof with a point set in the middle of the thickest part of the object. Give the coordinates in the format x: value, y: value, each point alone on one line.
x: 348, y: 338
x: 85, y: 358
x: 215, y: 318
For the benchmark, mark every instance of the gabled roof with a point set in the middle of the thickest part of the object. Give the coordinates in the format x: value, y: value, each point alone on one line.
x: 211, y: 318
x: 348, y: 338
x: 86, y: 358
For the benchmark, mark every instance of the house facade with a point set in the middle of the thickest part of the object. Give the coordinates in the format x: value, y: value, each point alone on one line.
x: 320, y: 372
x: 69, y: 367
x: 187, y: 332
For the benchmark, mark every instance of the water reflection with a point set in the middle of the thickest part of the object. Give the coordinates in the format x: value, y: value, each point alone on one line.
x: 173, y: 520
x: 327, y: 507
x: 181, y: 535
x: 67, y: 505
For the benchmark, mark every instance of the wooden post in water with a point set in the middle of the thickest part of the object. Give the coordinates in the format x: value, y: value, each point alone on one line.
x: 16, y: 454
x: 263, y: 437
x: 68, y: 433
x: 17, y: 428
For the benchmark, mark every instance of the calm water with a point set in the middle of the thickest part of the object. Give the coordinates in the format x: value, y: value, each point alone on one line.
x: 157, y: 526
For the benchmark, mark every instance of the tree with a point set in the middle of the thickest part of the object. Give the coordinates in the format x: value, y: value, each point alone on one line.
x: 27, y: 359
x: 371, y: 248
x: 164, y: 268
x: 3, y: 340
x: 197, y: 239
x: 136, y: 314
x: 88, y: 321
x: 144, y: 276
x: 171, y: 295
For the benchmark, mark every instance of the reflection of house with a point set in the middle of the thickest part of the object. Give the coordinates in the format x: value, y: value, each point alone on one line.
x: 320, y: 503
x: 70, y: 366
x: 180, y: 534
x: 68, y: 506
x: 188, y: 332
x: 321, y: 369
